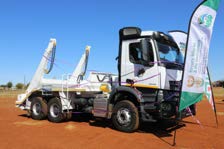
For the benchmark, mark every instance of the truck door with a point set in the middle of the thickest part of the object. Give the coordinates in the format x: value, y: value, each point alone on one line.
x: 144, y: 74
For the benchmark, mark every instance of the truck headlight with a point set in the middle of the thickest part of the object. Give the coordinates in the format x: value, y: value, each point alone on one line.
x: 166, y: 107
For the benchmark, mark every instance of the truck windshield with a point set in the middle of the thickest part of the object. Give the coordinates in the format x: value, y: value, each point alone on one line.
x: 169, y: 54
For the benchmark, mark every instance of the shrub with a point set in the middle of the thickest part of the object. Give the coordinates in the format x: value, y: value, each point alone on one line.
x: 19, y: 86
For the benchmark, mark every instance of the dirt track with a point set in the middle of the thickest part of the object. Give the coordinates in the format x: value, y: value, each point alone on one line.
x: 19, y: 131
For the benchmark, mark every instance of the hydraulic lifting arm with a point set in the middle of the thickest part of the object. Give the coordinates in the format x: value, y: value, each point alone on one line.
x: 42, y: 68
x: 36, y: 81
x: 80, y: 70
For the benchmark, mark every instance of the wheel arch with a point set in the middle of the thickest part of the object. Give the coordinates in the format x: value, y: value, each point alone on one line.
x: 125, y: 93
x: 39, y: 94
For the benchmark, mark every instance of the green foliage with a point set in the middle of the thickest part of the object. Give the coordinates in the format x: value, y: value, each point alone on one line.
x: 9, y: 84
x: 19, y: 85
x: 3, y: 85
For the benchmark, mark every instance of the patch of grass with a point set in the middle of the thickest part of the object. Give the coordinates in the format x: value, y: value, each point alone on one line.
x: 10, y: 93
x: 218, y: 91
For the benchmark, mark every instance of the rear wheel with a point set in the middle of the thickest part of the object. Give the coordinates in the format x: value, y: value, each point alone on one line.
x: 125, y: 116
x: 38, y: 108
x: 55, y: 113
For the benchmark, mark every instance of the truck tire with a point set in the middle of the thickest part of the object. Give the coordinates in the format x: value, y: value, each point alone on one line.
x: 38, y: 109
x: 55, y: 113
x: 125, y: 116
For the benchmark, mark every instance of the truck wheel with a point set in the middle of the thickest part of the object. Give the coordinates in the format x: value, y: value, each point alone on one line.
x: 55, y: 111
x: 38, y: 108
x: 125, y: 116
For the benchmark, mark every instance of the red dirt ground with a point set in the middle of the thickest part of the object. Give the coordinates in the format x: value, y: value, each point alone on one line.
x: 19, y: 131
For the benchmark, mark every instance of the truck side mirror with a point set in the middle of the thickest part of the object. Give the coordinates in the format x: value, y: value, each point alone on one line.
x: 145, y: 50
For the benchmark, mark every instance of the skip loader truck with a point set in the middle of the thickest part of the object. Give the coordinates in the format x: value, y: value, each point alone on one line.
x: 146, y: 88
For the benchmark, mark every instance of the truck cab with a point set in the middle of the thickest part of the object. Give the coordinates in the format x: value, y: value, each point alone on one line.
x: 149, y: 72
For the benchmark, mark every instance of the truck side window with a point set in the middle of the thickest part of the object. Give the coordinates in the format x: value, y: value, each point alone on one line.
x: 135, y: 53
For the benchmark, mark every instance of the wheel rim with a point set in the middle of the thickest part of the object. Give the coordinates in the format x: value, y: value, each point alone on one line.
x: 54, y: 110
x: 124, y: 116
x: 37, y: 108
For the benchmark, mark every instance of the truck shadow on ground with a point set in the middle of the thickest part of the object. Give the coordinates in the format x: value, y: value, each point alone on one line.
x: 88, y: 118
x: 161, y: 129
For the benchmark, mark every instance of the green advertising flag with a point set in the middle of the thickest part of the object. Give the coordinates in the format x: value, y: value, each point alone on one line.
x: 180, y: 38
x: 199, y: 36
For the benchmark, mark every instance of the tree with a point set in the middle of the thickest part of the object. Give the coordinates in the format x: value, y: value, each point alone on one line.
x: 19, y: 85
x: 9, y: 84
x: 3, y: 85
x: 222, y: 83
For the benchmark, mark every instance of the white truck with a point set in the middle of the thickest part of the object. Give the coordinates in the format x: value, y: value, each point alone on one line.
x: 145, y: 89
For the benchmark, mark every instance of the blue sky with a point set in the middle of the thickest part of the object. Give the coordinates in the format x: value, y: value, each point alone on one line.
x: 26, y: 27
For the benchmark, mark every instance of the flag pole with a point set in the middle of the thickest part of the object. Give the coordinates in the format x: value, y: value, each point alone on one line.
x: 174, y: 138
x: 178, y: 115
x: 213, y: 99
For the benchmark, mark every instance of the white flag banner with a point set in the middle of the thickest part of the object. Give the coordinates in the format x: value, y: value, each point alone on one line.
x: 180, y: 38
x: 198, y: 42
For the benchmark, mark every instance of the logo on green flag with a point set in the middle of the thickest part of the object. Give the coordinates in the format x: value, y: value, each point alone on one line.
x: 205, y: 20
